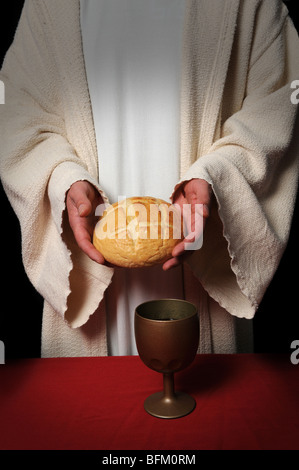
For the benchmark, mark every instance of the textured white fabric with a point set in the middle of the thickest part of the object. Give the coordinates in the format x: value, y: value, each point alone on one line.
x: 238, y: 131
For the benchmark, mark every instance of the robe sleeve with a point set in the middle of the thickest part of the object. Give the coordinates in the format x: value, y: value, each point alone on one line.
x: 253, y: 170
x: 38, y: 164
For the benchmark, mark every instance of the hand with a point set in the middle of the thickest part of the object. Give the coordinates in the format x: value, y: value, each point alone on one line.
x: 196, y: 193
x: 81, y: 202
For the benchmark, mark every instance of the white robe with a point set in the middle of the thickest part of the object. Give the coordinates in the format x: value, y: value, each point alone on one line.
x: 132, y: 51
x: 238, y: 132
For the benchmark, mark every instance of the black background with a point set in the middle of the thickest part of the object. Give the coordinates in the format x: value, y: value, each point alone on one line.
x: 276, y: 323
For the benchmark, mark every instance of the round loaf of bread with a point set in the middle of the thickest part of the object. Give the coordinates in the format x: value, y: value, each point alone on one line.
x: 138, y: 231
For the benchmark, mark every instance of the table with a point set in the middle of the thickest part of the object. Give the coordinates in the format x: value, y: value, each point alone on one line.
x: 246, y: 401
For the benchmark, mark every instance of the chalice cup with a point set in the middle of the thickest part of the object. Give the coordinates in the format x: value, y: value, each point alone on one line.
x: 167, y: 336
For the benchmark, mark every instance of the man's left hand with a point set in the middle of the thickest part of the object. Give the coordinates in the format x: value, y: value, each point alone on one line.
x: 196, y: 194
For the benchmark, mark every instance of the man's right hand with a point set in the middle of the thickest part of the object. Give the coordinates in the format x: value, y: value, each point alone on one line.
x: 81, y: 202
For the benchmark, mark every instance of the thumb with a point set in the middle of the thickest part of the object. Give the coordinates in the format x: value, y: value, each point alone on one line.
x: 79, y: 197
x: 84, y: 208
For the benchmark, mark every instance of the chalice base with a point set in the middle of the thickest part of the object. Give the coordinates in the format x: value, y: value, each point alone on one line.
x: 181, y: 404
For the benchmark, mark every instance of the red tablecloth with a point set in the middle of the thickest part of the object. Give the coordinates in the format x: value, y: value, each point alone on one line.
x: 243, y: 402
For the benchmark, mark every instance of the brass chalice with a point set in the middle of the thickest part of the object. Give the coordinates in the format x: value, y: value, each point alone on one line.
x: 167, y: 335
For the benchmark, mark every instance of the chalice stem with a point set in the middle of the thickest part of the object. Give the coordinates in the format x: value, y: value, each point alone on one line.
x: 168, y: 385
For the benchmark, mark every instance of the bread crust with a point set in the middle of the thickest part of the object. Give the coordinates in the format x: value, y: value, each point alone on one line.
x: 138, y: 231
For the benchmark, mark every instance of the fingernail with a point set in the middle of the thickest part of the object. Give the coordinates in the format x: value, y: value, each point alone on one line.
x: 81, y: 209
x: 190, y: 237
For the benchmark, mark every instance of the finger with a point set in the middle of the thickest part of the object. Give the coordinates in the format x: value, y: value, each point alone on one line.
x: 179, y: 199
x: 179, y: 249
x: 83, y: 237
x: 84, y: 206
x: 171, y: 263
x: 88, y: 248
x: 79, y: 195
x: 85, y: 209
x: 198, y: 190
x: 188, y: 244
